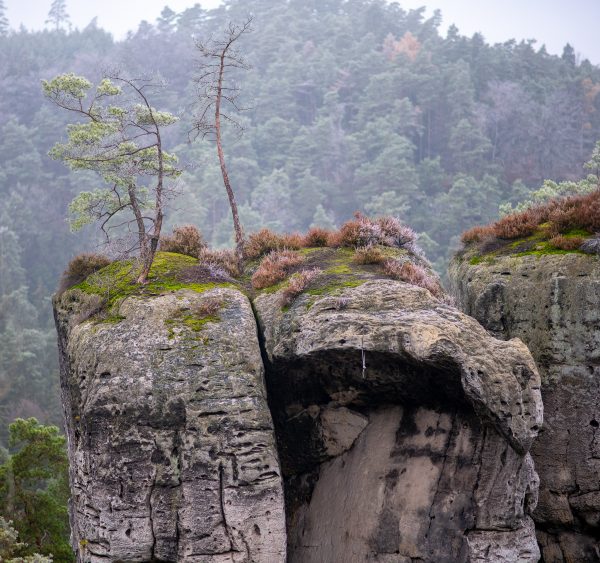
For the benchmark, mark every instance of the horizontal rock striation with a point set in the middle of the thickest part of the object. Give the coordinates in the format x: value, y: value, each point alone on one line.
x: 171, y: 441
x: 552, y: 302
x: 403, y: 428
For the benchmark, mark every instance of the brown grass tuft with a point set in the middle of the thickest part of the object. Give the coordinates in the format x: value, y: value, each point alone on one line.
x: 274, y: 267
x: 362, y: 231
x: 478, y: 234
x: 185, y: 240
x: 291, y: 241
x: 209, y: 307
x: 80, y: 268
x: 317, y: 237
x: 566, y: 243
x: 577, y: 212
x: 298, y: 283
x: 222, y: 263
x: 518, y: 225
x: 264, y: 241
x: 368, y: 255
x: 413, y: 274
x: 554, y: 218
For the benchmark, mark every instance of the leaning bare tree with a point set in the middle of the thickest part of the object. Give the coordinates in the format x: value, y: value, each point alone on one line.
x: 218, y: 99
x: 119, y: 136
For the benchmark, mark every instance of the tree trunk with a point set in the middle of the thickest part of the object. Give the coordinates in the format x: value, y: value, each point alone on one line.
x: 146, y: 255
x: 239, y: 233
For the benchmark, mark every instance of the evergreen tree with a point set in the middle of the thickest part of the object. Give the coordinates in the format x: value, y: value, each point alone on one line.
x: 58, y: 16
x: 3, y: 19
x: 34, y: 488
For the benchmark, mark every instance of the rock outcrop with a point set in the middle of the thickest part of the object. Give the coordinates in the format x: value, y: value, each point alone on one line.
x: 403, y: 428
x: 396, y: 427
x: 171, y: 441
x: 552, y: 302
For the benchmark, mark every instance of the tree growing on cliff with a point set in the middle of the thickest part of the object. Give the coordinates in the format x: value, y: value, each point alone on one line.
x: 218, y: 98
x: 124, y: 144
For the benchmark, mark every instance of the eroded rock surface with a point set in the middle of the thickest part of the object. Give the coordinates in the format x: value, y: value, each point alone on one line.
x: 171, y: 441
x: 552, y: 303
x: 403, y: 428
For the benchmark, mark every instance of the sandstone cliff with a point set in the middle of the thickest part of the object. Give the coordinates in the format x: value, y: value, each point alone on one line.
x: 402, y: 427
x: 171, y: 441
x: 551, y: 302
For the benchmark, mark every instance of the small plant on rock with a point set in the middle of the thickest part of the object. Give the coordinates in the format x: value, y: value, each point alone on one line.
x: 413, y: 274
x: 368, y: 255
x: 299, y: 282
x: 274, y: 268
x: 80, y: 267
x: 186, y: 239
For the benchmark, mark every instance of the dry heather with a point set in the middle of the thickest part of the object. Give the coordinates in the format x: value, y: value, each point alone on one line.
x: 317, y: 237
x: 221, y: 263
x: 185, y: 240
x: 362, y: 231
x: 80, y: 268
x: 566, y: 243
x: 556, y: 217
x: 364, y: 255
x: 413, y: 274
x: 299, y: 282
x: 358, y: 232
x: 265, y: 241
x: 274, y: 267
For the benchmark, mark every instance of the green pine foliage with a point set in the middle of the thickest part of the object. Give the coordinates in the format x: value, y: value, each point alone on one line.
x: 34, y: 489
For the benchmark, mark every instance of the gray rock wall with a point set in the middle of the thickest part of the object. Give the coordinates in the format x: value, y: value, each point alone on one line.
x: 553, y: 304
x: 171, y: 441
x: 438, y: 418
x: 403, y: 429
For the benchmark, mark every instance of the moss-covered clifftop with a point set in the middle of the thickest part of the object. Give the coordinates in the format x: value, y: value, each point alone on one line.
x: 536, y: 244
x: 171, y: 442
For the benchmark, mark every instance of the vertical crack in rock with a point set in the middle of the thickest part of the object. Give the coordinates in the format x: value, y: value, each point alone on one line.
x: 222, y: 507
x: 158, y: 453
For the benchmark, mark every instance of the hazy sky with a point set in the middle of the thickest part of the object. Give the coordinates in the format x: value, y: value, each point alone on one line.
x: 553, y: 22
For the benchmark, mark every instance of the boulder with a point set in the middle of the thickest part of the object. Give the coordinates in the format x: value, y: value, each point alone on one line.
x: 171, y: 441
x: 403, y: 427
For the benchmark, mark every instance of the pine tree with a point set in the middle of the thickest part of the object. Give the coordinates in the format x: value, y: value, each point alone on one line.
x: 3, y: 19
x: 57, y: 16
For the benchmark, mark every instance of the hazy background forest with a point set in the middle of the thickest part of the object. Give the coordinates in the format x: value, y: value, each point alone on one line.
x: 355, y: 105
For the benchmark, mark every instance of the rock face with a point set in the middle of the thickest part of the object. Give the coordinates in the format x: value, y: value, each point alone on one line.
x: 552, y: 303
x: 171, y: 441
x: 403, y: 428
x: 396, y: 428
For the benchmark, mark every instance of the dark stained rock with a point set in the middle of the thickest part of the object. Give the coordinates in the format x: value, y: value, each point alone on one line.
x: 403, y: 428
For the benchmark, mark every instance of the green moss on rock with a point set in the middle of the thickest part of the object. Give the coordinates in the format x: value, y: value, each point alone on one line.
x: 117, y: 281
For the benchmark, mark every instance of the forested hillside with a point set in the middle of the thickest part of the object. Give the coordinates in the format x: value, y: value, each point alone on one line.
x: 354, y: 105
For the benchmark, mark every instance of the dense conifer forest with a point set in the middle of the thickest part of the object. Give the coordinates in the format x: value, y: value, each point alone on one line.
x: 353, y: 105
